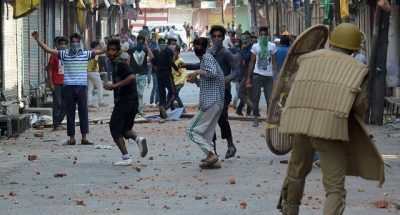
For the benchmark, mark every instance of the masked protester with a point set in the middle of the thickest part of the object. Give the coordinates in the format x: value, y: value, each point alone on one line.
x: 332, y: 126
x: 55, y: 74
x: 261, y: 71
x: 244, y: 60
x: 230, y: 68
x: 75, y: 83
x: 137, y: 59
x: 164, y: 65
x: 210, y: 79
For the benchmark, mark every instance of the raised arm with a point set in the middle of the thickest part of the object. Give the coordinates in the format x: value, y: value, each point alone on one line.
x: 42, y: 45
x: 100, y: 51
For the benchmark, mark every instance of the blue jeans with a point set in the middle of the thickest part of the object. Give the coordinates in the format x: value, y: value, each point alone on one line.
x: 58, y: 105
x: 154, y: 96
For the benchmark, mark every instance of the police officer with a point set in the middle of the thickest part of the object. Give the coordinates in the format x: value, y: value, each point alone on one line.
x: 323, y: 114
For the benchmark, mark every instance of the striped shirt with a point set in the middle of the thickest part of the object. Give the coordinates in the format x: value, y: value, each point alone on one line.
x: 75, y: 67
x: 212, y: 83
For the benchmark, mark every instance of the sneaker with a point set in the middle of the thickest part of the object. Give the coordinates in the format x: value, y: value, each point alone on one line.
x: 126, y: 162
x: 231, y: 152
x: 163, y: 113
x: 141, y: 142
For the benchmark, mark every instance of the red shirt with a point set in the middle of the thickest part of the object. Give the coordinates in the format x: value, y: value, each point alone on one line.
x: 57, y: 70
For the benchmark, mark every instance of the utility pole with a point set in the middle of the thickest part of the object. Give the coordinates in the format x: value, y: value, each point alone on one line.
x: 278, y: 17
x: 377, y: 64
x: 254, y: 10
x: 307, y: 13
x: 338, y: 18
x: 267, y: 14
x: 223, y: 14
x: 233, y: 11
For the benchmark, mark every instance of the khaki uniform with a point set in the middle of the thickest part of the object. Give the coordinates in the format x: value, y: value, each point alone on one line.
x: 320, y: 112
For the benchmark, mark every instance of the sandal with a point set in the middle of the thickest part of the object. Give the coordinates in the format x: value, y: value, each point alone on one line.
x: 69, y: 143
x: 208, y: 163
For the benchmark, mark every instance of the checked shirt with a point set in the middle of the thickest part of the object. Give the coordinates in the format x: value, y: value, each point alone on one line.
x: 211, y: 84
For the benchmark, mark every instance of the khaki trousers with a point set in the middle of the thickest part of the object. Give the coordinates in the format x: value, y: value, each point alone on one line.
x: 333, y: 159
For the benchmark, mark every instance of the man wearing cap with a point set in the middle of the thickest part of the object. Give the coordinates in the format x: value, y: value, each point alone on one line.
x: 323, y: 113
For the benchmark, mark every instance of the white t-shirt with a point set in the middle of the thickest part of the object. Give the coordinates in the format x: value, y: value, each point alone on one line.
x: 264, y: 66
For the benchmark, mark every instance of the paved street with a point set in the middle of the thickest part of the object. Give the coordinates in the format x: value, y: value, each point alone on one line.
x: 81, y: 180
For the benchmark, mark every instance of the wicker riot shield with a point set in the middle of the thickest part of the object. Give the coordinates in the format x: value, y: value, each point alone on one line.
x: 310, y: 40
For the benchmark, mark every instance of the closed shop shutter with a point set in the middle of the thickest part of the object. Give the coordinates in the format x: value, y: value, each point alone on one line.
x: 9, y: 53
x: 1, y: 44
x: 58, y: 18
x: 26, y: 60
x: 34, y: 51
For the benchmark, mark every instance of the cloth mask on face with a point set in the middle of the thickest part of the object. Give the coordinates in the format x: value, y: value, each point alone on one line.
x: 162, y: 46
x: 199, y: 52
x: 74, y: 47
x: 263, y: 41
x: 216, y: 46
x: 172, y: 47
x: 62, y: 47
x: 139, y: 46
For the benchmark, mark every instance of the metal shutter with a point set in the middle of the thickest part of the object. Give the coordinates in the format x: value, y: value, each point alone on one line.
x: 33, y: 58
x: 9, y: 52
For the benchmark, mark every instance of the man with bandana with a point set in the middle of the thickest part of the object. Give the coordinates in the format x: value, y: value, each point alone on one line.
x: 244, y: 59
x: 210, y: 79
x: 230, y: 68
x: 55, y: 74
x: 137, y: 59
x: 154, y: 96
x: 164, y: 64
x: 75, y: 83
x: 261, y: 71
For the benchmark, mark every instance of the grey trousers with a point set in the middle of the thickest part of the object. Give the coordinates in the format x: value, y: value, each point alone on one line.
x: 260, y: 81
x: 201, y: 128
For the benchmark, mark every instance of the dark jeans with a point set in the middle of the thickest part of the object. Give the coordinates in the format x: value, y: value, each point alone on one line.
x: 223, y: 123
x: 58, y: 105
x: 260, y: 81
x: 178, y: 99
x: 154, y: 96
x: 76, y: 95
x: 166, y: 83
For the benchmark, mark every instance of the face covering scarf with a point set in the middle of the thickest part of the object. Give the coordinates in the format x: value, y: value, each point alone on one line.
x: 74, y: 48
x: 216, y: 46
x: 162, y: 46
x: 263, y: 41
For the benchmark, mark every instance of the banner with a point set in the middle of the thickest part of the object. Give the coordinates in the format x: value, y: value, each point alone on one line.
x: 25, y: 7
x: 157, y: 3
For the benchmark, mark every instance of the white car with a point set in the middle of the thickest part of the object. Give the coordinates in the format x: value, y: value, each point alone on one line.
x: 178, y: 29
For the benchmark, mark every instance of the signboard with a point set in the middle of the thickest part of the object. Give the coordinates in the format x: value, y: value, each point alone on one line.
x: 208, y: 5
x: 157, y: 3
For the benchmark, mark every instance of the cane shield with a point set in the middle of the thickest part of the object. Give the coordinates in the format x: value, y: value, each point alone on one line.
x: 312, y: 39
